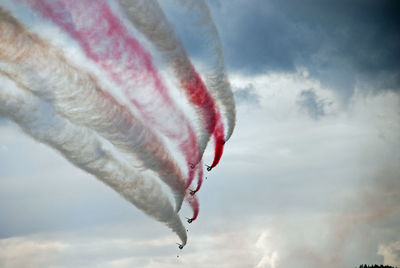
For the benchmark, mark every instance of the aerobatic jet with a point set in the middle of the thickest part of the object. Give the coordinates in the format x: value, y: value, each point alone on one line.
x: 189, y: 220
x: 180, y: 246
x: 192, y: 192
x: 208, y: 167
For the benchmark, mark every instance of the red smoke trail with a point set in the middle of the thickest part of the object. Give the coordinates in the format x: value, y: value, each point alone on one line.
x: 149, y: 19
x: 107, y: 42
x: 219, y: 140
x: 199, y: 96
x: 216, y: 80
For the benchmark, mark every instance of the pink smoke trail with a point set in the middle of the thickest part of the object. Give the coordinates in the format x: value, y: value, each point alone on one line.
x: 190, y: 195
x: 108, y: 43
x: 194, y: 204
x: 76, y: 95
x: 199, y: 175
x: 199, y: 179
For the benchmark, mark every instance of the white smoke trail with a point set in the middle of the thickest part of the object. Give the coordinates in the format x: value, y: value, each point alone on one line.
x: 76, y: 95
x: 148, y: 17
x: 217, y: 80
x: 83, y: 149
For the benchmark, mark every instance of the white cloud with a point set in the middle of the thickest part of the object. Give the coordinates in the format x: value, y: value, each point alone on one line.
x: 269, y: 256
x: 390, y: 253
x: 22, y: 252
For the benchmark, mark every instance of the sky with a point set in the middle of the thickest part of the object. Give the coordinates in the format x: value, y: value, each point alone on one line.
x: 310, y: 177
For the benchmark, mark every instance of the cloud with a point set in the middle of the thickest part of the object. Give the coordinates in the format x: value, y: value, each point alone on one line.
x: 390, y: 253
x: 247, y: 95
x: 21, y: 252
x: 269, y: 256
x: 309, y: 103
x: 92, y: 248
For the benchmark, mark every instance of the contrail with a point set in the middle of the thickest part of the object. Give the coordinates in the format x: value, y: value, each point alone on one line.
x: 83, y: 149
x: 76, y: 95
x: 107, y: 42
x: 148, y: 17
x: 217, y: 81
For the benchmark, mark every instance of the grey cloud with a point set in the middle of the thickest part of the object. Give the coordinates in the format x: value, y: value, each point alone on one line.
x: 309, y: 103
x: 247, y: 95
x: 341, y: 43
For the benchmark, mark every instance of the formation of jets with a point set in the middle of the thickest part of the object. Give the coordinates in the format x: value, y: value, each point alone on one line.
x: 192, y: 192
x: 209, y: 168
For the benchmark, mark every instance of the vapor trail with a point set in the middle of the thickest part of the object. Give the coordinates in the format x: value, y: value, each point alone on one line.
x: 107, y: 42
x: 83, y: 149
x: 76, y: 95
x: 217, y: 80
x: 148, y: 17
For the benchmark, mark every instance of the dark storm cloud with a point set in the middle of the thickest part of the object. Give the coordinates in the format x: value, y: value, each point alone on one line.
x: 246, y: 95
x: 339, y: 42
x: 342, y: 43
x: 309, y: 103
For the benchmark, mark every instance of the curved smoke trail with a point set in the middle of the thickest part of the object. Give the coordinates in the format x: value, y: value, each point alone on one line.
x: 191, y: 199
x: 148, y: 17
x: 83, y: 149
x: 199, y: 179
x: 107, y: 42
x: 76, y: 95
x: 194, y: 204
x: 217, y: 80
